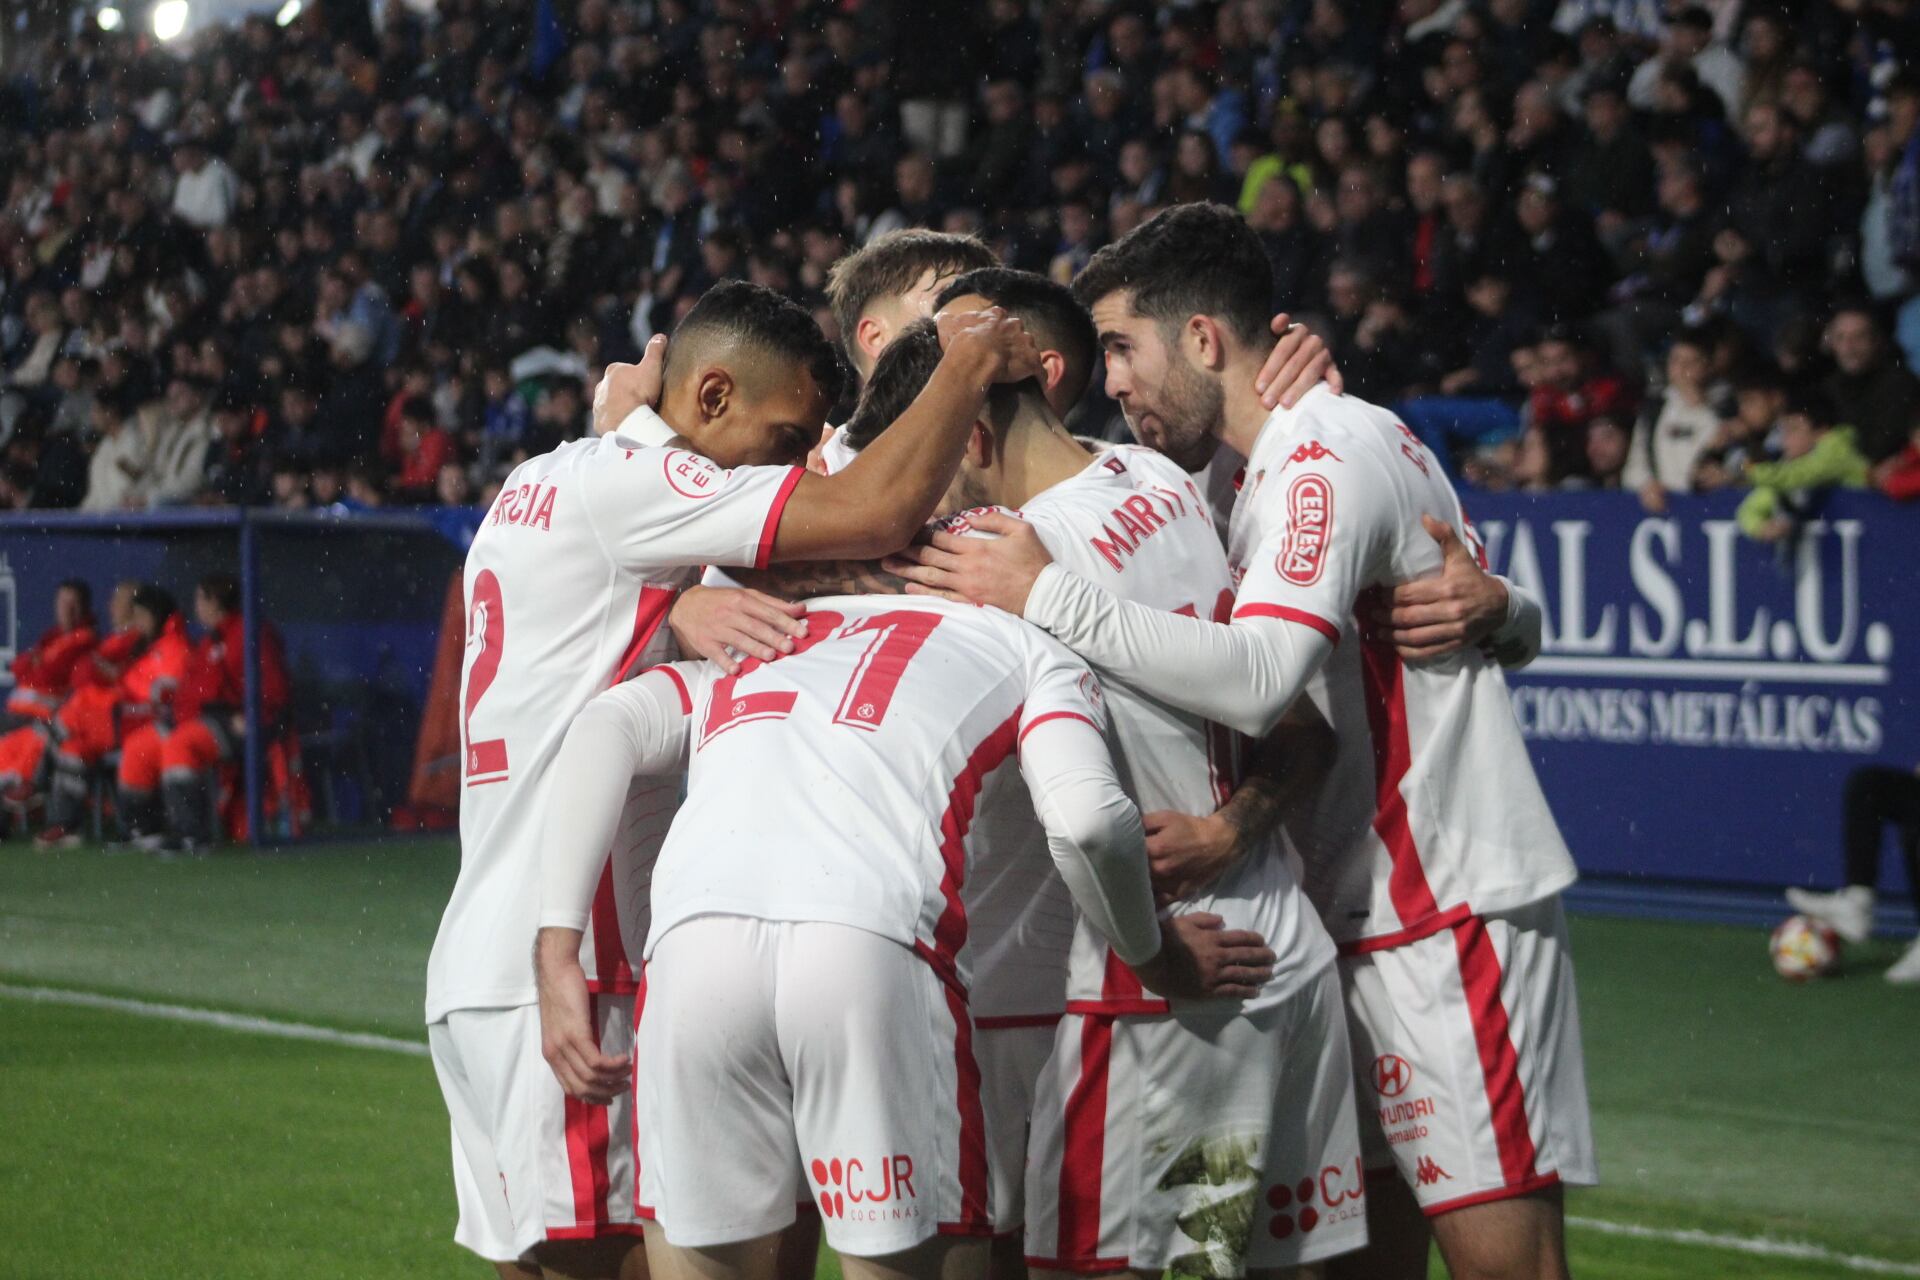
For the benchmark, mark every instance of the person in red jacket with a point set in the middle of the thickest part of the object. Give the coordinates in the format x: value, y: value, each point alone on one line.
x: 142, y: 690
x: 1899, y: 476
x: 183, y: 750
x: 43, y: 675
x: 86, y: 714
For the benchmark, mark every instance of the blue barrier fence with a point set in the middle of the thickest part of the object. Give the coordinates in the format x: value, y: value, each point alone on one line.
x: 1699, y: 704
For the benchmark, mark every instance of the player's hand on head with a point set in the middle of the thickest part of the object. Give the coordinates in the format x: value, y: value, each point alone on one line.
x: 1201, y: 959
x: 998, y: 570
x: 1298, y: 363
x: 568, y: 1039
x: 1187, y: 854
x: 1461, y: 605
x: 626, y: 387
x: 1000, y: 341
x: 722, y: 623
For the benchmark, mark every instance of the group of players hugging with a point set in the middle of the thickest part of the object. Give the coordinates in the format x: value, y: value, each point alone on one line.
x: 997, y: 851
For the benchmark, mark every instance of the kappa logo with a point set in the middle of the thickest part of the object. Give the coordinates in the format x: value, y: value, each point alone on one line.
x: 1337, y: 1188
x: 1392, y: 1074
x: 691, y: 475
x: 1309, y: 527
x: 1426, y: 1173
x: 839, y: 1182
x: 1313, y: 451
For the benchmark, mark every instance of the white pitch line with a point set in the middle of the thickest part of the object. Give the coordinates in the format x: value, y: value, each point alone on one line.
x: 1758, y: 1246
x: 214, y: 1018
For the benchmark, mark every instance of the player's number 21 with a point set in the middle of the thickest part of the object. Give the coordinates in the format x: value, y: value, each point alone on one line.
x: 896, y: 637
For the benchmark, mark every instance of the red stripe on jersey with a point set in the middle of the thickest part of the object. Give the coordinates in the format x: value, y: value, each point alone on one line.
x: 1084, y: 1154
x: 764, y: 555
x: 1056, y: 715
x: 686, y: 698
x: 1539, y: 1182
x: 610, y: 966
x: 641, y: 1209
x: 1121, y: 993
x: 1499, y: 1063
x: 950, y: 931
x: 1288, y: 614
x: 1400, y: 938
x: 1384, y: 680
x: 973, y: 1124
x: 586, y: 1130
x: 647, y: 617
x: 1119, y: 982
x: 1011, y: 1021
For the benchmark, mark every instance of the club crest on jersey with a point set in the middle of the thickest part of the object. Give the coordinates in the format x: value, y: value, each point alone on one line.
x: 1090, y: 686
x: 1309, y: 526
x: 1313, y: 451
x: 691, y: 475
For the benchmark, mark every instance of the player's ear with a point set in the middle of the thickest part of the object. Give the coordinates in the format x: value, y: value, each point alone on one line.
x: 715, y: 393
x: 1053, y: 367
x: 1203, y: 341
x: 871, y: 337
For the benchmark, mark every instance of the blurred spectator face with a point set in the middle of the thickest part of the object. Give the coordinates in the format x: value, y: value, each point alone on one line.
x: 1758, y: 409
x: 1425, y: 172
x: 1136, y: 161
x: 1346, y: 292
x: 1170, y: 405
x: 1853, y: 341
x: 1606, y: 448
x: 913, y: 178
x: 327, y: 486
x: 1766, y: 132
x: 1606, y: 112
x: 1679, y: 191
x: 1127, y: 37
x: 450, y: 486
x: 1534, y: 209
x: 1801, y: 91
x: 206, y: 610
x: 1277, y: 207
x: 1358, y: 198
x: 146, y: 622
x: 120, y: 606
x: 1076, y: 223
x: 183, y: 398
x: 1489, y: 294
x: 1687, y: 366
x: 1003, y: 102
x: 1532, y: 465
x: 1798, y: 434
x: 106, y: 419
x: 1903, y: 114
x: 1194, y: 155
x: 297, y: 406
x: 1333, y: 141
x: 289, y: 488
x: 67, y: 609
x: 1461, y: 67
x: 1559, y: 363
x: 1463, y: 200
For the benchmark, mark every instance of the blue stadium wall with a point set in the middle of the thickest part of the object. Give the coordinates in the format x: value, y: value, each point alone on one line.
x: 1699, y: 705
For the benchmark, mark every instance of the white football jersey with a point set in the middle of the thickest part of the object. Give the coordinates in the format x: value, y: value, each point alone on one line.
x: 841, y: 784
x: 1432, y: 811
x: 1138, y: 525
x: 568, y: 585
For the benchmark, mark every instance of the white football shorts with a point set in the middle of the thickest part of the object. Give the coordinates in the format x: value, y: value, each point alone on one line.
x: 530, y: 1163
x: 1012, y: 1053
x: 1467, y: 1055
x: 770, y: 1051
x: 1204, y: 1142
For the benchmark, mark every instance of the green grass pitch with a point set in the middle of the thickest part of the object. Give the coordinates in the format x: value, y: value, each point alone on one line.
x: 1725, y: 1100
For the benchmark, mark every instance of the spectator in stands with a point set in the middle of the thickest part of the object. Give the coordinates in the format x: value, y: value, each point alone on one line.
x: 1569, y: 389
x: 1871, y: 391
x: 1677, y: 428
x: 1479, y: 401
x: 424, y: 448
x: 1877, y: 797
x: 1760, y: 397
x: 180, y: 429
x: 1608, y: 447
x: 207, y: 191
x: 121, y: 455
x: 43, y: 674
x: 1815, y: 454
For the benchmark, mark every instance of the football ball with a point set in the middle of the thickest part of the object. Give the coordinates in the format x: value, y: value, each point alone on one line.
x: 1803, y: 948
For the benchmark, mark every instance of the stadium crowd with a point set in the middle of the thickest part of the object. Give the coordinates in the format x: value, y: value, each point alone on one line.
x: 1592, y: 243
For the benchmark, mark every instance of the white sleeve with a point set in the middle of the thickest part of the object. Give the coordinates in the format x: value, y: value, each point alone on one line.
x: 1093, y: 831
x: 1242, y: 674
x: 1516, y: 642
x: 640, y: 727
x: 655, y: 508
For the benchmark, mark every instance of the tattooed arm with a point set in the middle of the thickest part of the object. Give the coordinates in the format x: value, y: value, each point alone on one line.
x: 1187, y: 853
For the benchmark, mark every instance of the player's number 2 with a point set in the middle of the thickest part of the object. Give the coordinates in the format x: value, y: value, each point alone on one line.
x: 898, y: 635
x: 486, y: 637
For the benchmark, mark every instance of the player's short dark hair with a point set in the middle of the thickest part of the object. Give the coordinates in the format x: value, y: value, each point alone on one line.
x: 902, y: 373
x: 890, y: 264
x: 223, y: 589
x: 1051, y: 313
x: 1192, y: 259
x: 898, y: 377
x: 757, y: 317
x: 80, y: 587
x: 156, y: 600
